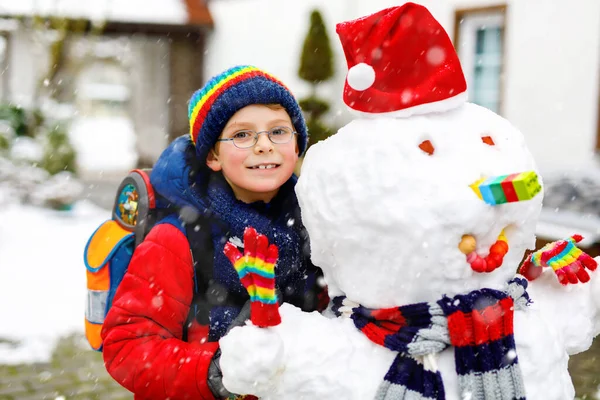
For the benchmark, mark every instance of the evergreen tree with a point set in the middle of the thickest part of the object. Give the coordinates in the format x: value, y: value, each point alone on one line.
x: 316, y: 66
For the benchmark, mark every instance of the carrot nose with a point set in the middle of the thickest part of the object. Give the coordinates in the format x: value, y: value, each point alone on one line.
x: 502, y: 189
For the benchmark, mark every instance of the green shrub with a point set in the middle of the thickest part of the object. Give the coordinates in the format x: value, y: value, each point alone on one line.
x: 59, y: 154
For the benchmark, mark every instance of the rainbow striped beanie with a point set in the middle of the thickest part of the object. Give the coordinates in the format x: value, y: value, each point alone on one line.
x: 212, y: 106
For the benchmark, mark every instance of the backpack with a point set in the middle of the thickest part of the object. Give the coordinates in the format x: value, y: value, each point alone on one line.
x: 109, y: 250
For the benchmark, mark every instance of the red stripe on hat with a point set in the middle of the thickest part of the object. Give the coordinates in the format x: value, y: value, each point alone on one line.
x: 203, y: 112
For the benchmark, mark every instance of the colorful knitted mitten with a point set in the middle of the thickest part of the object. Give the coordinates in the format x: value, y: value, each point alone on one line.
x: 256, y: 269
x: 566, y: 259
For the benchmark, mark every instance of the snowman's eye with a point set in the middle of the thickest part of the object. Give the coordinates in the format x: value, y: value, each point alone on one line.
x: 427, y: 147
x: 488, y: 140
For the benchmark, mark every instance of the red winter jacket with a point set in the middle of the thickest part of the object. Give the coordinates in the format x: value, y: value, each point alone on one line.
x: 142, y: 333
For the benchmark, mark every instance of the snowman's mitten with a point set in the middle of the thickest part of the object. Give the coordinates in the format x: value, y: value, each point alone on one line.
x: 567, y: 261
x: 256, y: 270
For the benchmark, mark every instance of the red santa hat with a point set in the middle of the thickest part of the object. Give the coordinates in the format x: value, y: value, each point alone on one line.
x: 400, y: 62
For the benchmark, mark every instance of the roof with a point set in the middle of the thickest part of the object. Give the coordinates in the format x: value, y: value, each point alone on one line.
x: 198, y: 12
x: 141, y: 12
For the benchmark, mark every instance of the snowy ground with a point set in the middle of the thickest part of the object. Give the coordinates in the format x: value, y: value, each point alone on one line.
x: 42, y: 277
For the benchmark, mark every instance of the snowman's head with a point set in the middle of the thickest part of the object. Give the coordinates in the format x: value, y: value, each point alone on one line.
x: 388, y: 199
x: 385, y: 217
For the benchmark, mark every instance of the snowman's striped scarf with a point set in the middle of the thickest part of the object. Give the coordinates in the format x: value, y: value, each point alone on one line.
x: 480, y: 327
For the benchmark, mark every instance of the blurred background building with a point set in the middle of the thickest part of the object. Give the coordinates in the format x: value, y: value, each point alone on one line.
x: 122, y: 65
x: 125, y: 70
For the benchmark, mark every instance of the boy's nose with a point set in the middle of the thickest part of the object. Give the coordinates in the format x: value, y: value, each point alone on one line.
x: 263, y: 144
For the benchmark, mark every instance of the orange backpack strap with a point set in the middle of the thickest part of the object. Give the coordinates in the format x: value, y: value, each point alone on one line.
x: 106, y: 257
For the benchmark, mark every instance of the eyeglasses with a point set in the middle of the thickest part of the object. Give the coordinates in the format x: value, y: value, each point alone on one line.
x: 248, y: 138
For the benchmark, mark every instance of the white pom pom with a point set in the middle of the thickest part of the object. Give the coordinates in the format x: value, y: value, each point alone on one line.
x: 361, y: 77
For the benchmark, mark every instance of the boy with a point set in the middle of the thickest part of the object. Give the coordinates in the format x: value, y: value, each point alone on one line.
x: 234, y: 170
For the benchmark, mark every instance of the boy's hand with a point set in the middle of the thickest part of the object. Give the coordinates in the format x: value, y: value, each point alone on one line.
x: 215, y: 376
x: 256, y: 269
x: 567, y: 260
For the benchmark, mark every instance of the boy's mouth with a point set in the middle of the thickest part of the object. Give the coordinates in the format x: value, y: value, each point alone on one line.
x: 264, y: 166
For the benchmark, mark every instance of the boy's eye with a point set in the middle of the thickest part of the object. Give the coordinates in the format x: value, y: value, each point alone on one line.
x: 278, y: 131
x: 242, y: 135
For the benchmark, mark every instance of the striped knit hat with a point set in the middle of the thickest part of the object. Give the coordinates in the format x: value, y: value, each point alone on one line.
x: 212, y: 106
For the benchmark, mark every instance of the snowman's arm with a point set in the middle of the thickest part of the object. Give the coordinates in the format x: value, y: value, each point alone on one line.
x: 257, y: 360
x: 573, y: 309
x: 307, y: 354
x: 595, y: 295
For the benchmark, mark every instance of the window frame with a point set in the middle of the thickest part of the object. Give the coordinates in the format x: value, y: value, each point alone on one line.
x: 83, y: 84
x: 598, y: 115
x: 4, y: 68
x: 498, y: 13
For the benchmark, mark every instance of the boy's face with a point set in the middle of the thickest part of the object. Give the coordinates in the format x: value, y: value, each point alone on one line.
x: 240, y: 166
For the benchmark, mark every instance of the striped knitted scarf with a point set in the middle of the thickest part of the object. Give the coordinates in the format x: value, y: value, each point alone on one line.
x: 479, y: 325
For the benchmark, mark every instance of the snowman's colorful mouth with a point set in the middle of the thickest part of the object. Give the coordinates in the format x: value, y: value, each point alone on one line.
x: 489, y: 263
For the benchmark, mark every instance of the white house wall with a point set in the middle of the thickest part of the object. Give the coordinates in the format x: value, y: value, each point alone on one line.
x: 26, y: 61
x: 552, y: 79
x: 150, y: 83
x: 551, y: 61
x: 147, y: 64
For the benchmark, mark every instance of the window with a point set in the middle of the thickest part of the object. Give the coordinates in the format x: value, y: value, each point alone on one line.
x: 479, y: 40
x: 3, y: 67
x: 598, y: 120
x: 103, y: 90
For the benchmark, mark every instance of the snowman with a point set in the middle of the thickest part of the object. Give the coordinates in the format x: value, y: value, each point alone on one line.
x: 420, y: 212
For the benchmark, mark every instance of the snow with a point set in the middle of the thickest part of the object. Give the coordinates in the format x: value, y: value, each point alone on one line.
x: 42, y: 277
x: 26, y: 149
x: 144, y: 11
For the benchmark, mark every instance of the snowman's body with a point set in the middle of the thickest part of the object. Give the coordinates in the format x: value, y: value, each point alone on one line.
x: 385, y: 219
x: 321, y: 358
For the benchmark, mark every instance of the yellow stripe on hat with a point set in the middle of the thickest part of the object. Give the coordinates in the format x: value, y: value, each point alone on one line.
x: 215, y: 89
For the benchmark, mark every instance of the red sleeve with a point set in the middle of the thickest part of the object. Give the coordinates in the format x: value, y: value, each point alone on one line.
x: 142, y: 347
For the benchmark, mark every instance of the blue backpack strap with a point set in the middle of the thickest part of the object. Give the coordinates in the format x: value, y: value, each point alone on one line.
x: 201, y: 246
x: 208, y: 292
x: 199, y: 235
x: 172, y: 219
